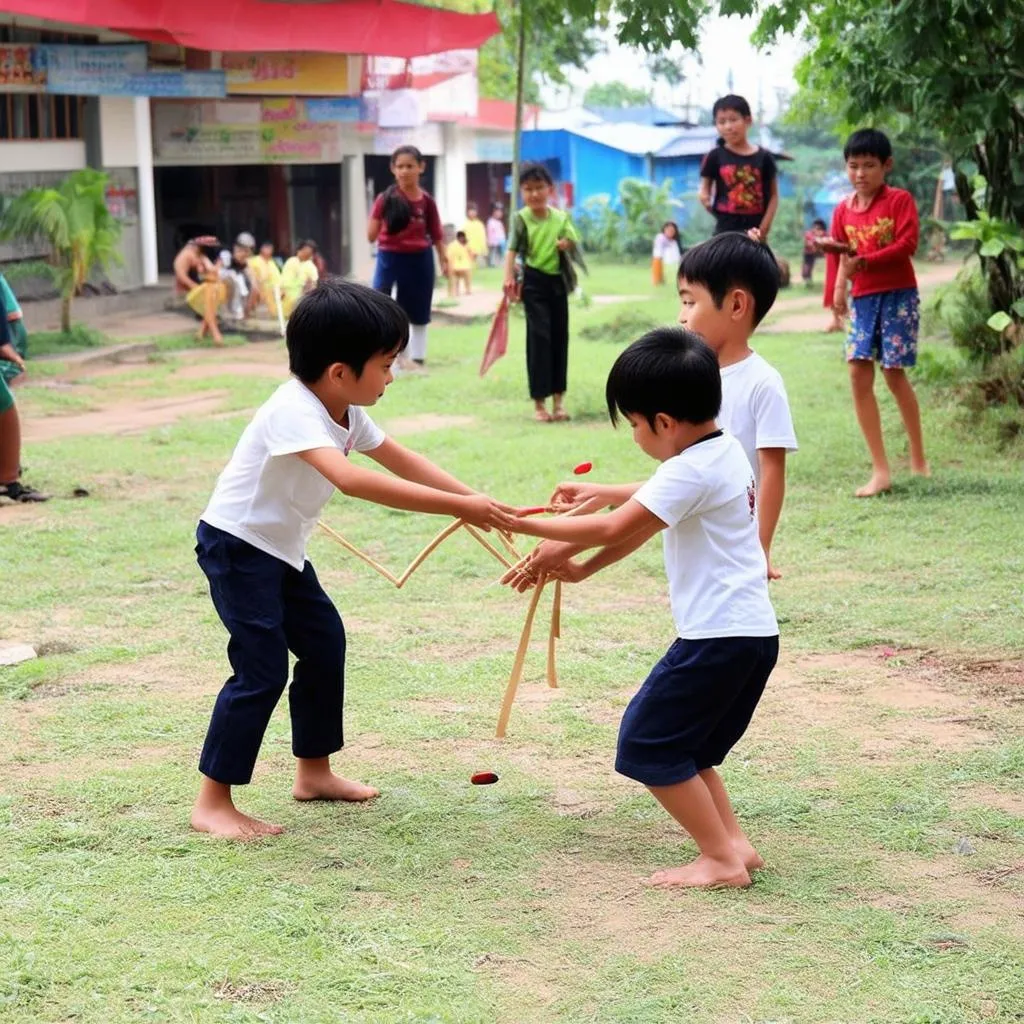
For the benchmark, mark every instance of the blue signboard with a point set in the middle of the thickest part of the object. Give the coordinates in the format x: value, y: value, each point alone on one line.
x: 90, y: 60
x: 171, y: 84
x: 349, y: 109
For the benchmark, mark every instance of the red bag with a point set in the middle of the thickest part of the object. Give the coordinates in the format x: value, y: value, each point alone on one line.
x: 497, y: 340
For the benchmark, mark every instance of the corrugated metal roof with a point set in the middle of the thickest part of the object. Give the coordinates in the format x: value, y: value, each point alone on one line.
x: 646, y: 114
x: 639, y: 139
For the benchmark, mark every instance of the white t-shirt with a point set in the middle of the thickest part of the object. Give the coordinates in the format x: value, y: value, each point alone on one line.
x: 666, y: 249
x: 755, y: 409
x: 717, y: 573
x: 268, y: 496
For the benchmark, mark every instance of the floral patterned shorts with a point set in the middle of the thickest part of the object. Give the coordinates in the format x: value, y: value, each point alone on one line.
x: 884, y: 327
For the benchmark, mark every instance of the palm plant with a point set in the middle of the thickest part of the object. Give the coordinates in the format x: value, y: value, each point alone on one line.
x: 73, y: 221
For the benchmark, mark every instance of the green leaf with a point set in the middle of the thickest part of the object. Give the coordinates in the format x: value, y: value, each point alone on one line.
x: 993, y: 247
x: 999, y: 321
x: 1018, y: 307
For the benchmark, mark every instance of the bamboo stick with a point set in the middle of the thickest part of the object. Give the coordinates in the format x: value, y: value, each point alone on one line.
x: 517, y: 665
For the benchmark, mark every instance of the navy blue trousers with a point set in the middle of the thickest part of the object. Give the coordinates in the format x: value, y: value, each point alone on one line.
x: 269, y: 609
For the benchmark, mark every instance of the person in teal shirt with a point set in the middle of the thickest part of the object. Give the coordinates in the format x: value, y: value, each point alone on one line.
x: 544, y: 239
x: 17, y: 336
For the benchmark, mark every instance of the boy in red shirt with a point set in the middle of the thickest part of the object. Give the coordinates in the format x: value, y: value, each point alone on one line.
x: 877, y: 228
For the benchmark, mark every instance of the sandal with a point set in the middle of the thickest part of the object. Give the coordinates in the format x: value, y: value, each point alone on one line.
x: 542, y: 416
x: 17, y: 492
x: 561, y: 416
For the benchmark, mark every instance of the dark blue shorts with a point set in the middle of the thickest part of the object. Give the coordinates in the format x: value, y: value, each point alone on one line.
x: 693, y: 707
x: 411, y: 276
x: 883, y: 327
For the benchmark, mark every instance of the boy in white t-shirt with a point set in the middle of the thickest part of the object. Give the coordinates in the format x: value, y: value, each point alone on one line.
x: 727, y: 286
x: 699, y: 699
x: 251, y: 543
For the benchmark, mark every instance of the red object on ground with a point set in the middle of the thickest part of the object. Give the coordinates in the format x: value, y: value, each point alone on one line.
x: 583, y: 467
x: 483, y: 779
x: 537, y: 510
x: 497, y: 340
x: 345, y: 26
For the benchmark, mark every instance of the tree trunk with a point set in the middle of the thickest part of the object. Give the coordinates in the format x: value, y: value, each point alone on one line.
x: 517, y: 144
x: 65, y: 314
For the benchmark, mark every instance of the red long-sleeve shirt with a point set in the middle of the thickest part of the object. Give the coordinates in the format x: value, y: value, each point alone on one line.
x: 885, y: 234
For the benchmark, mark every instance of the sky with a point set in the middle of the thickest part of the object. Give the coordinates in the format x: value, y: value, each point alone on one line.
x: 724, y: 47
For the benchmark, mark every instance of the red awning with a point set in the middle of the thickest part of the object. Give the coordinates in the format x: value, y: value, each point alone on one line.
x: 387, y: 28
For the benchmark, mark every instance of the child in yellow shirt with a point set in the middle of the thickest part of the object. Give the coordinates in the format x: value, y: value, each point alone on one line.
x: 460, y: 265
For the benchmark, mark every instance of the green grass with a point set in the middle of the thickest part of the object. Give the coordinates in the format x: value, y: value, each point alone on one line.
x: 520, y: 902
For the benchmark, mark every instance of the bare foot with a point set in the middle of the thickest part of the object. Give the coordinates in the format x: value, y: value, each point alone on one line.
x: 752, y: 860
x: 878, y: 484
x: 703, y: 873
x: 921, y: 469
x: 228, y: 822
x: 542, y: 416
x: 332, y: 787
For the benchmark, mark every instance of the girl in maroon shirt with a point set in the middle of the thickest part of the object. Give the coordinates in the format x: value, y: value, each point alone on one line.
x: 406, y: 226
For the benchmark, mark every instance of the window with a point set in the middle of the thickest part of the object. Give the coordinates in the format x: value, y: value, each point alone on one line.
x: 37, y: 115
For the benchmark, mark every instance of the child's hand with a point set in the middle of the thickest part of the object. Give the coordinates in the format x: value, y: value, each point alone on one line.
x: 552, y: 555
x: 10, y: 353
x: 479, y: 510
x: 756, y: 235
x: 773, y: 573
x: 564, y: 244
x: 840, y: 306
x: 568, y: 496
x: 511, y: 289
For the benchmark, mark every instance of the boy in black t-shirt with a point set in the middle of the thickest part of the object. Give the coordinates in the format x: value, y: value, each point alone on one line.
x: 744, y: 176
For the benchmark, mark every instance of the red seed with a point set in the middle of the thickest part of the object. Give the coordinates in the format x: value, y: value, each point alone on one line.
x: 537, y: 510
x: 583, y: 467
x: 484, y: 779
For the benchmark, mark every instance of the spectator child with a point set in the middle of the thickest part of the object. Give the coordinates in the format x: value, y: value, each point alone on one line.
x: 405, y: 224
x: 739, y: 181
x: 880, y: 226
x: 460, y: 265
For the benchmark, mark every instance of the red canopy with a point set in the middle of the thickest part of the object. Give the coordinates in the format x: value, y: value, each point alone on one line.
x: 387, y: 28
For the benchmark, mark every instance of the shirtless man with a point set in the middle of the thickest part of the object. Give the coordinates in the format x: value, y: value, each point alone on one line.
x: 191, y: 264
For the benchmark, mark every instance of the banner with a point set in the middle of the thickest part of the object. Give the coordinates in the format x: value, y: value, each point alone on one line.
x: 19, y: 71
x: 292, y: 74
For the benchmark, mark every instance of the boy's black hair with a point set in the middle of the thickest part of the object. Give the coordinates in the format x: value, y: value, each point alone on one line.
x: 460, y: 236
x: 868, y: 142
x: 819, y: 223
x: 731, y: 102
x: 669, y: 370
x: 535, y: 172
x: 263, y: 245
x: 733, y: 260
x: 343, y: 322
x: 307, y: 243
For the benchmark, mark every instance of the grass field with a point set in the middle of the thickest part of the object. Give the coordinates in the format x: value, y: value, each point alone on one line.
x: 882, y: 778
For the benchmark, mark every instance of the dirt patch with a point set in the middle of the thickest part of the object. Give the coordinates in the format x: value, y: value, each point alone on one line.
x: 996, y: 799
x: 203, y: 371
x: 425, y: 422
x: 123, y: 418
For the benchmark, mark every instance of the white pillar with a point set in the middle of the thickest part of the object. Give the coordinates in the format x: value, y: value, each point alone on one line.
x: 354, y: 218
x: 147, y: 195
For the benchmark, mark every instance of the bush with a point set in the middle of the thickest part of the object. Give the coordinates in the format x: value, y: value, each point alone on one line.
x: 621, y: 329
x: 626, y: 224
x: 962, y: 309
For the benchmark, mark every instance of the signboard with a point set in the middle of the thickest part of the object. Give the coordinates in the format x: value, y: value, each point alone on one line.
x: 292, y: 74
x: 242, y: 132
x: 496, y: 149
x: 100, y: 61
x: 187, y: 84
x: 19, y: 72
x: 427, y: 139
x: 344, y: 109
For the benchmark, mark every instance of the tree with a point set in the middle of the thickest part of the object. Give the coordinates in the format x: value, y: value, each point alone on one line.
x: 951, y: 68
x: 615, y: 94
x: 74, y: 222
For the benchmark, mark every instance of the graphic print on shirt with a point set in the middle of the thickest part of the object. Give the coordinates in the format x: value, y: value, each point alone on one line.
x: 752, y: 498
x: 744, y: 189
x: 871, y: 237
